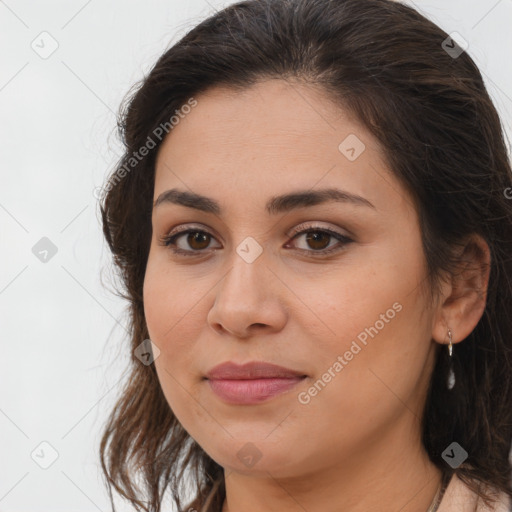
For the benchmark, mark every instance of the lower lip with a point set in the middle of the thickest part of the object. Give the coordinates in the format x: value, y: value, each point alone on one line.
x: 251, y: 391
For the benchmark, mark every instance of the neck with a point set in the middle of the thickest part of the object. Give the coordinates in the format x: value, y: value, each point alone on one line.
x: 376, y: 478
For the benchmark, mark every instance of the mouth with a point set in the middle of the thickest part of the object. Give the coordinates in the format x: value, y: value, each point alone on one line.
x: 253, y: 382
x: 252, y: 370
x: 252, y: 391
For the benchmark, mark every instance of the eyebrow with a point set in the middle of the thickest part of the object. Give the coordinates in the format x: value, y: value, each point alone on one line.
x: 277, y: 204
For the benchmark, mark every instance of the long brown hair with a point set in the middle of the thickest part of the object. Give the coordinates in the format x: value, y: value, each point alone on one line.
x: 428, y: 107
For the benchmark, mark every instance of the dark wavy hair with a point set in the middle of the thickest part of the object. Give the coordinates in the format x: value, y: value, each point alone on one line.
x: 391, y: 68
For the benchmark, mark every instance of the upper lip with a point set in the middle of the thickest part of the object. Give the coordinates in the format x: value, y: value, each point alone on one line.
x: 251, y: 370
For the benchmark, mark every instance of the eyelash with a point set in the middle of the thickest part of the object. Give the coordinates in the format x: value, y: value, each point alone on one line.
x: 169, y: 241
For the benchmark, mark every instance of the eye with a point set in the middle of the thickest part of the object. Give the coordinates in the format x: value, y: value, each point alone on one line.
x: 317, y: 238
x: 197, y: 239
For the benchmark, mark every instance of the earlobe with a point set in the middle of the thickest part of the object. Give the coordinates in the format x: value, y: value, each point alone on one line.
x: 465, y: 300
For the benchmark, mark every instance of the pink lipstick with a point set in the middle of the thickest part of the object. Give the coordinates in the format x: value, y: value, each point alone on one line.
x: 251, y: 383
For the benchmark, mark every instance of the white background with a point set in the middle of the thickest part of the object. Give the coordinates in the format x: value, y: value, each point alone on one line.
x: 63, y: 350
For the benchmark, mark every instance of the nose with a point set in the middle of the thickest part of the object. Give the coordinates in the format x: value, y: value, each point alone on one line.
x: 248, y: 299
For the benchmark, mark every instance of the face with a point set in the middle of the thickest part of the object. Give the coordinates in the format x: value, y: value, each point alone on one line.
x: 332, y: 289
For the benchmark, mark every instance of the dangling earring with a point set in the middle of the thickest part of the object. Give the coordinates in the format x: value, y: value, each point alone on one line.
x: 451, y: 374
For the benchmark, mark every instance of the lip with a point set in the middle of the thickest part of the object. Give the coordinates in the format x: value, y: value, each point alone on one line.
x: 251, y: 370
x: 251, y: 391
x: 251, y: 383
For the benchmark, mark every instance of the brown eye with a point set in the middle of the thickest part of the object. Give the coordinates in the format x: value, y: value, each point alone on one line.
x: 195, y: 242
x: 197, y: 239
x: 318, y: 239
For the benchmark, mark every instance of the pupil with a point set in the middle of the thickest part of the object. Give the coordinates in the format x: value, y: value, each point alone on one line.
x: 196, y: 237
x: 316, y: 236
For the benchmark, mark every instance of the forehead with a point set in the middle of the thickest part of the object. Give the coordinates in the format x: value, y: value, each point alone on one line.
x: 272, y: 137
x: 272, y: 112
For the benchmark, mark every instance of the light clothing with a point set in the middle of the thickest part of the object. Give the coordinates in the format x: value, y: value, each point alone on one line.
x: 458, y: 497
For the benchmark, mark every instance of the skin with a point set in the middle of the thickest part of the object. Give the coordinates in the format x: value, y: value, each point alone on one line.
x: 357, y: 441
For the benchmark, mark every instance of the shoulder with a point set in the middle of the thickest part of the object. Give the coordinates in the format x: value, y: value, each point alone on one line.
x: 458, y: 497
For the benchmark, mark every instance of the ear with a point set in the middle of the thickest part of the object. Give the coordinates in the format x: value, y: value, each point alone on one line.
x: 463, y: 295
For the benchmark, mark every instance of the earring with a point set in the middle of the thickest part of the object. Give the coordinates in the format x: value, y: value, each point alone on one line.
x: 451, y: 374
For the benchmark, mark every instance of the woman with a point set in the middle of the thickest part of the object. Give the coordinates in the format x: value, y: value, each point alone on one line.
x: 313, y: 222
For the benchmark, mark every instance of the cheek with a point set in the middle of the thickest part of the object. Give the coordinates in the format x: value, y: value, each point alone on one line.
x: 361, y: 303
x: 378, y: 327
x: 167, y: 321
x: 163, y: 303
x: 174, y: 321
